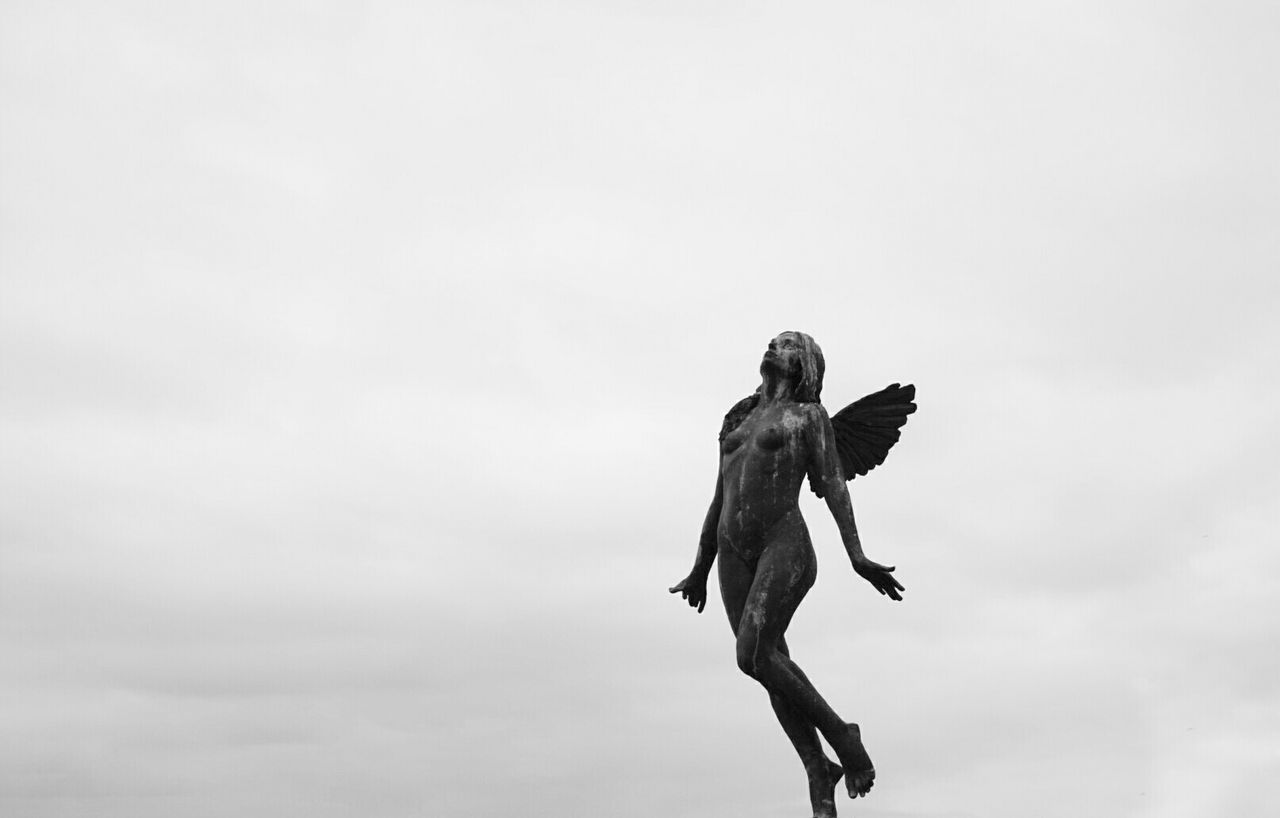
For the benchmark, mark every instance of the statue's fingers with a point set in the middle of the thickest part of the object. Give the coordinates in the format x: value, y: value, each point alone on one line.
x: 702, y: 604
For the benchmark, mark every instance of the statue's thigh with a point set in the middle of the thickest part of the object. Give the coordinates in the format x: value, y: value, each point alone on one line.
x: 735, y: 583
x: 785, y: 573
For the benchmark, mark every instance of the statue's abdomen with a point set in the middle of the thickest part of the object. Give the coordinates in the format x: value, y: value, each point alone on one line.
x: 762, y: 474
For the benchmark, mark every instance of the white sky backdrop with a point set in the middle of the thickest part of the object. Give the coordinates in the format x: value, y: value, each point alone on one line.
x: 362, y: 367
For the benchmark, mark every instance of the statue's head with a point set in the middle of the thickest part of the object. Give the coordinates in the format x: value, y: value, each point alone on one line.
x: 800, y: 358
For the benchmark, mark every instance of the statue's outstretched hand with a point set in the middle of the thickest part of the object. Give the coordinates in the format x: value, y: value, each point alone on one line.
x: 880, y: 576
x: 692, y: 588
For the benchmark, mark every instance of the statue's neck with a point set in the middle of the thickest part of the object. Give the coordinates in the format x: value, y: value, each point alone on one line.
x: 776, y: 390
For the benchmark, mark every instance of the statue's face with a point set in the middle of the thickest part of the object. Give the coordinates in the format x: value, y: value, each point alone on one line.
x: 783, y: 354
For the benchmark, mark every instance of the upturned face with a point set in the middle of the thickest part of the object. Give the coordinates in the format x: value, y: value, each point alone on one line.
x: 783, y: 354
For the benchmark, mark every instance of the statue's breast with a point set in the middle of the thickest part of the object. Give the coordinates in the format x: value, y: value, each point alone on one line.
x: 733, y: 442
x: 771, y: 438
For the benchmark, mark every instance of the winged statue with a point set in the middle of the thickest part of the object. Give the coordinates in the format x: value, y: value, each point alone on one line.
x: 770, y: 442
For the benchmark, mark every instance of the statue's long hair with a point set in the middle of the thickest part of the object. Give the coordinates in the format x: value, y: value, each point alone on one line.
x: 808, y: 385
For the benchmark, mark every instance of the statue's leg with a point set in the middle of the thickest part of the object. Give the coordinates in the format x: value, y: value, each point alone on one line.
x: 803, y: 735
x: 735, y: 583
x: 785, y: 572
x: 823, y: 774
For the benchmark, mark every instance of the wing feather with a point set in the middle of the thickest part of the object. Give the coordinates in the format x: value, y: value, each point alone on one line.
x: 866, y: 429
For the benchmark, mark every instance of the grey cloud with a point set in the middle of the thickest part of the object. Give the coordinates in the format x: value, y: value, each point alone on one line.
x: 361, y: 371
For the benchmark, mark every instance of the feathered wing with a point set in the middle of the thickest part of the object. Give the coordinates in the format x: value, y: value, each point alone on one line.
x: 738, y: 413
x: 866, y: 429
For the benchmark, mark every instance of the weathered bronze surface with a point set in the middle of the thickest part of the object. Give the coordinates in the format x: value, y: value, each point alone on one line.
x: 769, y: 442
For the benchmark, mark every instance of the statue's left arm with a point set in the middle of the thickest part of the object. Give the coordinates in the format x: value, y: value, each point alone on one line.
x: 828, y: 482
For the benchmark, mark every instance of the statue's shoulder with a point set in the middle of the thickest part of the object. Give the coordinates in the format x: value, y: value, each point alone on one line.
x: 807, y: 418
x: 813, y: 411
x: 811, y: 414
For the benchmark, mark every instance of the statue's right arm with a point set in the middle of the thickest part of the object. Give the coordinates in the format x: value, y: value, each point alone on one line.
x: 710, y: 525
x: 693, y: 588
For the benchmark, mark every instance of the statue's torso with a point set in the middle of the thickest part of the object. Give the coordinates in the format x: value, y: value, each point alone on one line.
x: 762, y: 464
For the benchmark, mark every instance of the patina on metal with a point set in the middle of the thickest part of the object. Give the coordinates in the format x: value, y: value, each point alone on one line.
x: 769, y: 443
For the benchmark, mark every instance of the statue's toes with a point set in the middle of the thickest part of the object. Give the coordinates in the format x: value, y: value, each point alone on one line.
x: 860, y: 783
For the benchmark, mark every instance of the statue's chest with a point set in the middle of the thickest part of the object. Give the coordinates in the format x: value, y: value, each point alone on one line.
x: 761, y: 438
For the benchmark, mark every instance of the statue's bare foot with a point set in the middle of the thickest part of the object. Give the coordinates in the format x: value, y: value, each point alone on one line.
x: 859, y: 774
x: 823, y: 777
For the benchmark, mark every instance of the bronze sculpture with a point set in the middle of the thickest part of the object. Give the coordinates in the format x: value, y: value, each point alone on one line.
x: 769, y: 442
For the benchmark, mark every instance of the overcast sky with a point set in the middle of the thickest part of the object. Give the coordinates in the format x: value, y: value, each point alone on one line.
x: 362, y: 366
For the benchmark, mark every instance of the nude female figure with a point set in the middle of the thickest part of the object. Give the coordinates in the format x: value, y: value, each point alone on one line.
x: 770, y: 442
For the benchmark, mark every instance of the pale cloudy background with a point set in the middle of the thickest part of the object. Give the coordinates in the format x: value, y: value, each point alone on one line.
x: 362, y: 367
